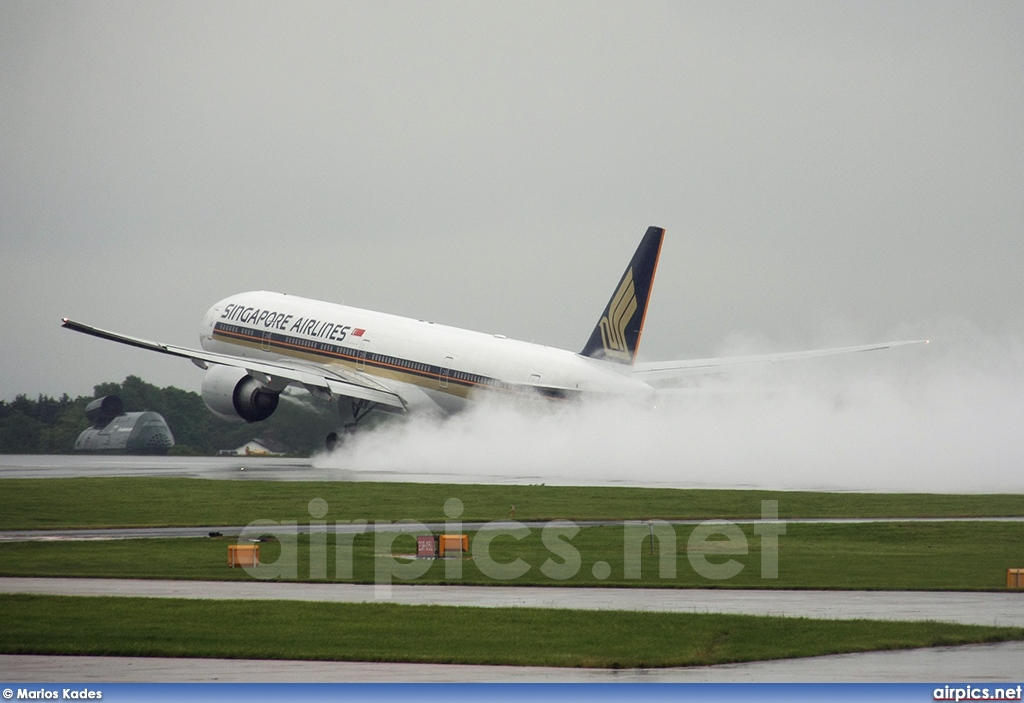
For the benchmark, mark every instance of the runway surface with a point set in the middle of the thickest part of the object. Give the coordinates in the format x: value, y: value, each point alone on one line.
x: 237, y: 468
x: 1005, y: 609
x: 988, y: 662
x: 217, y: 467
x: 251, y: 468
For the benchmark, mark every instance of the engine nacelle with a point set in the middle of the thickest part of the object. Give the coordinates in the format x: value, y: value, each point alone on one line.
x: 102, y: 410
x: 234, y: 395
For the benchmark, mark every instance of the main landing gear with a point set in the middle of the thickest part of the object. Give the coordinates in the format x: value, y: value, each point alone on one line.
x: 352, y: 410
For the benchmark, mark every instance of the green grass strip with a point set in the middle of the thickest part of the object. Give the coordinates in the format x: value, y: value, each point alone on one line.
x: 391, y: 633
x: 888, y: 556
x: 123, y: 502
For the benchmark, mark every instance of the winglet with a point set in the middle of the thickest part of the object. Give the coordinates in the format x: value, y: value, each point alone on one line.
x: 617, y: 334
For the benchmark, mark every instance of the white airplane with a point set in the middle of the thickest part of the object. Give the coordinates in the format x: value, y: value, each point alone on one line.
x: 256, y: 344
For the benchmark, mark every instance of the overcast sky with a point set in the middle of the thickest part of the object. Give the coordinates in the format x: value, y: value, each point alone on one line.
x: 827, y: 172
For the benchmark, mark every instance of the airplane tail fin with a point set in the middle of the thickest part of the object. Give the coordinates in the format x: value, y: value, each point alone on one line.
x: 617, y: 334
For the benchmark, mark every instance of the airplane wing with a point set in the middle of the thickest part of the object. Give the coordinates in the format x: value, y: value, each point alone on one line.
x: 317, y: 380
x: 652, y: 372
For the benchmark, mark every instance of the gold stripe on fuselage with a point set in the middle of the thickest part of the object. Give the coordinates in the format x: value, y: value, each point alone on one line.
x: 459, y: 383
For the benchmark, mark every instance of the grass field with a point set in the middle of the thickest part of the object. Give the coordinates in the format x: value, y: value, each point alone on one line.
x: 385, y: 632
x: 960, y: 555
x: 892, y: 556
x: 119, y: 502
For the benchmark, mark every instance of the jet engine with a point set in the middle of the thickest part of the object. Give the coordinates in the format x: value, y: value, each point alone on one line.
x: 102, y: 410
x: 231, y: 393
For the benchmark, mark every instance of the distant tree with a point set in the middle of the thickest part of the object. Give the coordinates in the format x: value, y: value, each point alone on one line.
x: 19, y: 433
x: 59, y: 436
x: 51, y: 425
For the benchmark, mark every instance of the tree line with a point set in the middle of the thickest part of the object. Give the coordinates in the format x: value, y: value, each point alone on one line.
x: 47, y: 425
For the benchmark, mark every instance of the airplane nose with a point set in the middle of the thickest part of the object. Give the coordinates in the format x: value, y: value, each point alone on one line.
x: 209, y: 320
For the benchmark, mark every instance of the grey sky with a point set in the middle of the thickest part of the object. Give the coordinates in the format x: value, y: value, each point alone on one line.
x: 827, y: 172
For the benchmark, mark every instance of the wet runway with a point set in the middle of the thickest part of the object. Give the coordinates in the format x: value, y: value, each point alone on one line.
x: 216, y: 467
x: 234, y: 468
x: 251, y: 468
x: 970, y: 608
x: 987, y: 662
x: 966, y: 608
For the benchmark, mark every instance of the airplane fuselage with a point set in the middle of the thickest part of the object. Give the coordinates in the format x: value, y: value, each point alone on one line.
x: 427, y: 363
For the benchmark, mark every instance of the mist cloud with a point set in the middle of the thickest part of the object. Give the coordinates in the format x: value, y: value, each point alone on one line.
x: 942, y: 418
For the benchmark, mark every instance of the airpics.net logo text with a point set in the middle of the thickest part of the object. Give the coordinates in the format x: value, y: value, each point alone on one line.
x: 709, y: 547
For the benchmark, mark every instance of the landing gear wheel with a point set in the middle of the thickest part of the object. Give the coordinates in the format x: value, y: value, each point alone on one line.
x: 332, y: 441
